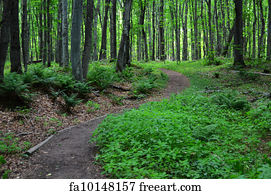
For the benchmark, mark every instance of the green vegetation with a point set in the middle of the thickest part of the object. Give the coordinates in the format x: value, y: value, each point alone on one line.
x: 211, y: 130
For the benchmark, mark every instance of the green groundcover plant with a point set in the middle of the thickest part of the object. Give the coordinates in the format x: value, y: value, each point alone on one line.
x: 187, y: 136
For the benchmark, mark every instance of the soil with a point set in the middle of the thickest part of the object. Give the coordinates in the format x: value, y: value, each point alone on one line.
x: 69, y: 155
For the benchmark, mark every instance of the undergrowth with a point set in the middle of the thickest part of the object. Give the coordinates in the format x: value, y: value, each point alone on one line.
x: 196, y: 134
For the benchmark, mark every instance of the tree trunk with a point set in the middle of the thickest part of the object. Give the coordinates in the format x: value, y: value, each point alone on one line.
x: 88, y: 38
x: 59, y: 35
x: 238, y: 35
x: 211, y: 42
x: 261, y: 40
x: 113, y: 30
x: 218, y: 37
x: 205, y: 38
x: 4, y: 36
x: 178, y: 49
x: 65, y: 37
x: 45, y: 34
x: 254, y: 30
x: 15, y: 49
x: 196, y: 30
x: 123, y: 56
x: 153, y: 31
x: 49, y: 39
x: 161, y: 32
x: 76, y: 40
x: 269, y: 32
x: 25, y: 35
x: 104, y: 31
x: 95, y: 35
x: 185, y: 38
x: 226, y: 48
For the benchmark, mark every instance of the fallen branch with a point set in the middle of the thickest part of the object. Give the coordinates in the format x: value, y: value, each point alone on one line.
x: 257, y: 73
x: 121, y: 88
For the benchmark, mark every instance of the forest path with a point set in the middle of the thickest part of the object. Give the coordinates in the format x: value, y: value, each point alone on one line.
x: 69, y: 155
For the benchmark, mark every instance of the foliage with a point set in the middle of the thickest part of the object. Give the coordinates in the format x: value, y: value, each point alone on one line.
x: 212, y: 60
x: 92, y: 106
x: 230, y: 99
x: 71, y: 101
x: 101, y: 77
x: 188, y: 136
x: 14, y: 90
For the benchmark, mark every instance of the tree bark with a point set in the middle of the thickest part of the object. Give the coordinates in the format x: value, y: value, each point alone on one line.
x: 88, y: 38
x: 104, y: 31
x: 161, y: 31
x: 76, y: 40
x: 261, y: 40
x: 65, y: 37
x: 25, y: 35
x: 178, y: 48
x: 95, y: 35
x: 4, y: 36
x: 238, y: 35
x: 185, y: 38
x: 59, y: 35
x: 218, y: 37
x: 15, y: 49
x: 113, y: 30
x: 123, y: 56
x: 269, y: 32
x: 254, y: 30
x: 153, y: 31
x: 226, y: 48
x: 49, y: 38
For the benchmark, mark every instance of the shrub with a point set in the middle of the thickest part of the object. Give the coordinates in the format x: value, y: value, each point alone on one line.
x: 230, y: 99
x: 70, y: 101
x: 101, y: 77
x: 14, y: 92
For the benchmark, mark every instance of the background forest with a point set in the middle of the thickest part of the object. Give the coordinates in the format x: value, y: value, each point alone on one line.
x: 65, y: 62
x: 50, y: 31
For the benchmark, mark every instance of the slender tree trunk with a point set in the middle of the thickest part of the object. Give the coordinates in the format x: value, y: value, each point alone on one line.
x: 196, y: 30
x: 238, y: 35
x: 178, y: 49
x: 161, y: 31
x: 59, y: 35
x: 153, y: 31
x: 218, y: 37
x: 76, y: 40
x: 205, y: 38
x: 123, y: 56
x: 269, y: 32
x: 49, y: 39
x: 25, y: 35
x: 173, y: 30
x: 261, y: 40
x: 228, y: 42
x: 4, y: 36
x: 211, y: 42
x: 45, y: 34
x: 15, y: 49
x: 185, y: 38
x: 254, y: 30
x: 113, y: 30
x: 104, y: 31
x: 88, y: 38
x: 65, y: 37
x: 41, y: 40
x: 95, y: 34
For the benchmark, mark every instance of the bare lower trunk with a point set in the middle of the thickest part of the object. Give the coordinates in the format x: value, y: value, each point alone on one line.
x: 4, y: 37
x: 88, y: 38
x: 15, y: 49
x: 123, y: 56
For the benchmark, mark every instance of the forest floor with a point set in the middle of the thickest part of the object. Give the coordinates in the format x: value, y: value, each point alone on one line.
x: 68, y: 154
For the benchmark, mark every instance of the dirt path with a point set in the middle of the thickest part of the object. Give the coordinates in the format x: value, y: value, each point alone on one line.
x: 68, y: 155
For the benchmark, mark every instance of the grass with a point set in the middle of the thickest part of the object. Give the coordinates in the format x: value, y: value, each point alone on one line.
x: 197, y: 134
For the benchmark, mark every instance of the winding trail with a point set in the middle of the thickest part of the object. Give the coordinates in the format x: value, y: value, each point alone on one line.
x: 68, y: 155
